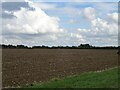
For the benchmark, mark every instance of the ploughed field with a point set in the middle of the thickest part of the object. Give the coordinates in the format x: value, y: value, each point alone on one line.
x: 27, y: 66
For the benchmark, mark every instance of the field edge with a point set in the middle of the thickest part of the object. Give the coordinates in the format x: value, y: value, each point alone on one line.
x: 84, y: 79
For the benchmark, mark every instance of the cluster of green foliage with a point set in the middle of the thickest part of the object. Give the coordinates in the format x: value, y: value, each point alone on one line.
x: 81, y: 46
x: 13, y: 46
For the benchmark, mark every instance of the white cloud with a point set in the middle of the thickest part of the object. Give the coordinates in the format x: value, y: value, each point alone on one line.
x: 45, y: 6
x: 62, y: 0
x: 107, y: 7
x: 72, y: 21
x: 89, y: 13
x: 101, y: 31
x: 38, y: 28
x: 12, y: 0
x: 79, y: 37
x: 32, y: 22
x: 66, y: 11
x: 103, y: 26
x: 113, y: 16
x: 31, y: 27
x: 95, y: 0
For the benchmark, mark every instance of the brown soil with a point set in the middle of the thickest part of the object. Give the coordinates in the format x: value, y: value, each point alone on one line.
x: 26, y: 66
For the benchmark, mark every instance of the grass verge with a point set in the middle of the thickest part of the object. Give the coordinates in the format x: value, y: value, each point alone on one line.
x: 103, y: 79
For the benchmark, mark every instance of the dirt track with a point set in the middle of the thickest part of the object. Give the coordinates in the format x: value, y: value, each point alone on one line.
x: 26, y: 66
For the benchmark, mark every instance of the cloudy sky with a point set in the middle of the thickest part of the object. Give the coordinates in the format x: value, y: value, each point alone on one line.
x: 60, y: 23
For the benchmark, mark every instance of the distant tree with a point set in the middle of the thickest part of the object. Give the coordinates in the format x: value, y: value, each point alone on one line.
x: 21, y: 46
x: 81, y: 46
x: 85, y: 46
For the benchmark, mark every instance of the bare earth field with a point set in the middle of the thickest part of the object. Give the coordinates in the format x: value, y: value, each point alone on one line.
x: 26, y: 66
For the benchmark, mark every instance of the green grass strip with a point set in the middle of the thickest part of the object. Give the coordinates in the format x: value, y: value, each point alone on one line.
x: 103, y: 79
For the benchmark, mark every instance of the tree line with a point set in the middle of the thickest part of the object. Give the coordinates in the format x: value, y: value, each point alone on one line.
x: 81, y: 46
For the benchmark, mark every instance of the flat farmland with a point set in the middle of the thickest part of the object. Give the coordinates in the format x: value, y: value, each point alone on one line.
x: 27, y: 66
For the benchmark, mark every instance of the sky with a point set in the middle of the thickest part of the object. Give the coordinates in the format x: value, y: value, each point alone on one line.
x: 72, y: 23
